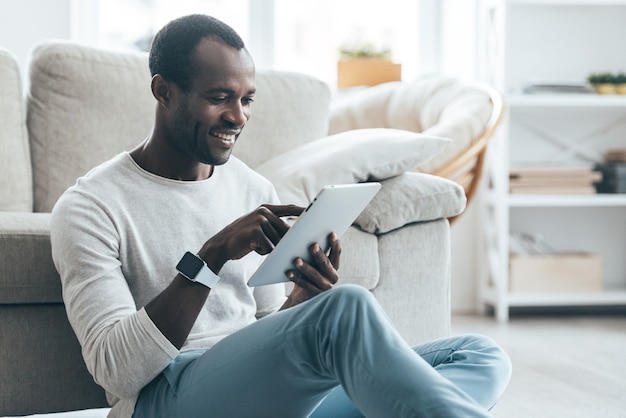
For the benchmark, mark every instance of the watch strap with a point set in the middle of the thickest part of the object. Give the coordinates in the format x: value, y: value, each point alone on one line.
x: 193, y: 268
x: 206, y: 277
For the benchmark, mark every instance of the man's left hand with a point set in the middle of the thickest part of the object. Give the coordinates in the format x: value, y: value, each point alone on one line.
x: 313, y: 279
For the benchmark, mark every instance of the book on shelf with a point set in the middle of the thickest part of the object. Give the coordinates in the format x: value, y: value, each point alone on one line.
x: 553, y: 172
x: 552, y: 190
x: 558, y: 87
x: 553, y: 180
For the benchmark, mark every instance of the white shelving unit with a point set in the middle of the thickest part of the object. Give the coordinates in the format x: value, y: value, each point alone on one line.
x: 526, y: 41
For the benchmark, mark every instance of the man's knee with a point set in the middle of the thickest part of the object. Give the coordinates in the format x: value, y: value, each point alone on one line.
x: 351, y: 305
x: 493, y: 360
x: 353, y: 291
x: 489, y: 352
x: 351, y: 294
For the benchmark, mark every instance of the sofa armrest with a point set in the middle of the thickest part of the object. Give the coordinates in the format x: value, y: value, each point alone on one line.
x: 414, y: 285
x: 27, y: 274
x: 41, y: 367
x: 409, y: 198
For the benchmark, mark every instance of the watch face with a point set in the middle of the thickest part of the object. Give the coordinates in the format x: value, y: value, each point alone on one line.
x: 190, y: 265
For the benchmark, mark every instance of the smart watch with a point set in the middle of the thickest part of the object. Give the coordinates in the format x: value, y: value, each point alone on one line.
x: 195, y: 269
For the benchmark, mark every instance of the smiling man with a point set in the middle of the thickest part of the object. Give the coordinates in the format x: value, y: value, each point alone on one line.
x: 203, y: 107
x: 154, y: 249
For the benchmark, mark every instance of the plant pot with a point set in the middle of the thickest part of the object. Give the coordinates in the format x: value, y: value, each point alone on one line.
x: 605, y: 88
x: 366, y: 72
x: 620, y: 88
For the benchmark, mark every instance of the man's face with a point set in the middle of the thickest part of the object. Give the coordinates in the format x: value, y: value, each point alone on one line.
x: 207, y: 120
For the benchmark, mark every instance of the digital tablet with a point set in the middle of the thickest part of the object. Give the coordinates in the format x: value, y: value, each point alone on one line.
x: 334, y: 209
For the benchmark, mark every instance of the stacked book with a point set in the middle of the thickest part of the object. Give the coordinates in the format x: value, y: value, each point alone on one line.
x: 553, y: 180
x: 558, y: 87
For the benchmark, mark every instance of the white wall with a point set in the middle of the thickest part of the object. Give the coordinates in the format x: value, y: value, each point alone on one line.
x: 467, y: 254
x: 458, y: 58
x: 23, y: 24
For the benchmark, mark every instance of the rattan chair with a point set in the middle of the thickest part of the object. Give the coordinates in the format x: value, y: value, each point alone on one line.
x: 467, y: 168
x: 467, y: 112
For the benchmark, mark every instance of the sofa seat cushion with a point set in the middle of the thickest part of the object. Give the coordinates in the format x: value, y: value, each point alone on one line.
x: 26, y: 259
x: 15, y: 168
x: 28, y: 274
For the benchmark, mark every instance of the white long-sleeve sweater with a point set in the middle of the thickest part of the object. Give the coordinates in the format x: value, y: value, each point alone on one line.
x: 117, y: 235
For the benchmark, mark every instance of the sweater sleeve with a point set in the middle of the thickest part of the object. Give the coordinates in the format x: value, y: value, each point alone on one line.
x: 121, y: 346
x: 269, y: 299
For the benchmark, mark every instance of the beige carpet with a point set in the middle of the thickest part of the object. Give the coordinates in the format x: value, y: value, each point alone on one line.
x: 563, y: 367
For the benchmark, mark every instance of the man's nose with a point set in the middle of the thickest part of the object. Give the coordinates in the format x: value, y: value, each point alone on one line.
x: 237, y: 114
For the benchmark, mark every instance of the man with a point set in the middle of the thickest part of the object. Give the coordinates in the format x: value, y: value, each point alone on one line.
x: 200, y: 342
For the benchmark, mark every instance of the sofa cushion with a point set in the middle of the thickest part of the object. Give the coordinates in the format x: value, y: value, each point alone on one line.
x: 289, y: 110
x: 412, y: 197
x: 86, y: 105
x: 434, y: 104
x: 15, y: 168
x: 349, y: 157
x: 27, y: 273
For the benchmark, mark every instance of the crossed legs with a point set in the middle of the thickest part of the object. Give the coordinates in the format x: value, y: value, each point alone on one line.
x: 474, y: 363
x: 285, y: 364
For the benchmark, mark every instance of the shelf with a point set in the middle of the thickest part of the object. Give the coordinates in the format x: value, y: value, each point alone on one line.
x: 595, y: 200
x: 566, y: 100
x: 552, y: 127
x: 568, y: 299
x: 569, y: 2
x: 606, y: 298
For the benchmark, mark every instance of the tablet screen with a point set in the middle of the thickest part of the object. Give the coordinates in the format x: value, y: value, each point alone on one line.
x: 334, y: 209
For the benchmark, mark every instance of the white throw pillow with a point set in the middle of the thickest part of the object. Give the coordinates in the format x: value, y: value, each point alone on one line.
x: 348, y: 157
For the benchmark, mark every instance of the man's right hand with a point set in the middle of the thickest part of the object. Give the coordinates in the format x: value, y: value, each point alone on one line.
x: 257, y: 231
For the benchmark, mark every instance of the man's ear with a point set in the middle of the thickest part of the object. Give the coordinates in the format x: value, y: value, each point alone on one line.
x: 161, y: 89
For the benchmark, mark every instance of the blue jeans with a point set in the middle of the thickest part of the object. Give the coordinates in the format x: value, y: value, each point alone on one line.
x: 337, y: 355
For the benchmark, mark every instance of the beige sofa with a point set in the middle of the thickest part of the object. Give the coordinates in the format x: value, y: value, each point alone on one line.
x: 85, y: 105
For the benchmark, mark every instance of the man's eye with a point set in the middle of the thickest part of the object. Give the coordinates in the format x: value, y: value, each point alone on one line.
x: 220, y: 99
x: 247, y: 100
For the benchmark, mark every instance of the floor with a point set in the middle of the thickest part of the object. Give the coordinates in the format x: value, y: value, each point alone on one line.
x: 563, y: 366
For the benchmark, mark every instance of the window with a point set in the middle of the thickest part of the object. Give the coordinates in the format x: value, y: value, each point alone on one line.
x: 309, y: 33
x: 302, y: 36
x: 131, y: 24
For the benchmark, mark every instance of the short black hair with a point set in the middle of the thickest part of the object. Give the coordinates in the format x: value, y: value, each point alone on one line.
x: 172, y: 47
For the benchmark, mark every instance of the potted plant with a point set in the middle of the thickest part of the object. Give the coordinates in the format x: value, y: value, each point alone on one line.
x: 620, y: 83
x: 602, y: 82
x: 364, y: 64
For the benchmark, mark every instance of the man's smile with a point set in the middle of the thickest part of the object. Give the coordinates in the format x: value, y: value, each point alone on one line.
x: 227, y: 137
